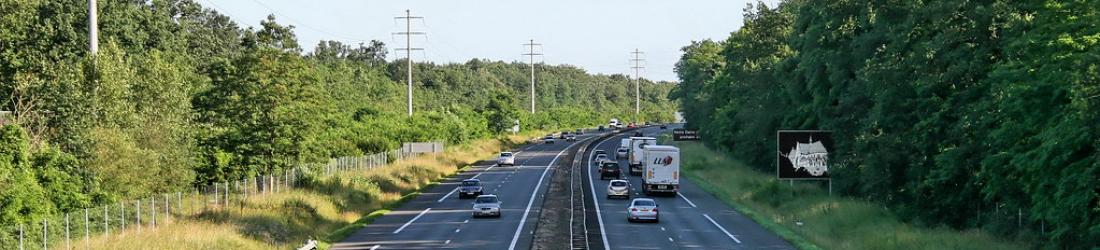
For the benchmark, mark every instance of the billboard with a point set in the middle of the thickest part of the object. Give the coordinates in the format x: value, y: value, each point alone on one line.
x: 681, y: 134
x: 803, y: 154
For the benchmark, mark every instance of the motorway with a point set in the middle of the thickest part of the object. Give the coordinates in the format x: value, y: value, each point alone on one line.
x: 693, y: 219
x: 439, y: 219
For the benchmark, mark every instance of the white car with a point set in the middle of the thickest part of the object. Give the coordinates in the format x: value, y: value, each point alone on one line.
x: 621, y: 153
x: 600, y: 158
x: 618, y: 188
x: 549, y: 139
x: 507, y: 158
x: 643, y: 209
x: 486, y: 205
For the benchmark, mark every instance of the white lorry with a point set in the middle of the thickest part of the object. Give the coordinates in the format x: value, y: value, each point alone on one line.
x: 614, y: 123
x: 635, y: 155
x: 662, y: 169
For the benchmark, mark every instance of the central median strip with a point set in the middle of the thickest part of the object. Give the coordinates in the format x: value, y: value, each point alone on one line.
x: 534, y: 193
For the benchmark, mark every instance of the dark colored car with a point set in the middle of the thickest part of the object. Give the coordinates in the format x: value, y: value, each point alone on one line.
x: 469, y: 188
x: 579, y: 131
x: 601, y: 128
x: 563, y: 134
x: 664, y: 126
x: 638, y: 134
x: 610, y: 170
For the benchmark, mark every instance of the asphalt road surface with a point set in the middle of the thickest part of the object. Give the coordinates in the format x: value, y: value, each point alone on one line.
x: 693, y: 219
x: 439, y: 219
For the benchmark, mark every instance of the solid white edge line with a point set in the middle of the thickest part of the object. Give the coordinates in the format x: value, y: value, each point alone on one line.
x: 519, y: 229
x: 721, y: 228
x: 411, y: 221
x: 596, y: 199
x: 686, y: 199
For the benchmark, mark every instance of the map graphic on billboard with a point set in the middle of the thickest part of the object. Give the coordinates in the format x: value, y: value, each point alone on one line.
x: 803, y: 154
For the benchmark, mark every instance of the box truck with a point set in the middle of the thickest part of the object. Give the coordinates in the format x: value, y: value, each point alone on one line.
x: 635, y: 155
x: 662, y: 169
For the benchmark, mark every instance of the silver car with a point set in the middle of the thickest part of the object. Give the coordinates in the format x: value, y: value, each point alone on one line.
x: 506, y: 158
x: 600, y: 158
x: 642, y: 209
x: 486, y: 205
x: 618, y: 188
x: 621, y: 153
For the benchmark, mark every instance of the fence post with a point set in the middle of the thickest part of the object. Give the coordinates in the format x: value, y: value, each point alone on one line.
x: 216, y: 194
x: 138, y: 215
x: 167, y: 210
x: 45, y: 228
x: 106, y: 229
x: 153, y: 208
x: 68, y: 242
x: 122, y: 214
x: 87, y: 233
x: 179, y: 203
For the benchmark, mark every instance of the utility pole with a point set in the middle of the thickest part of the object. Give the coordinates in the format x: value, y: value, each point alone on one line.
x: 93, y: 28
x: 637, y: 60
x: 408, y: 52
x: 532, y: 54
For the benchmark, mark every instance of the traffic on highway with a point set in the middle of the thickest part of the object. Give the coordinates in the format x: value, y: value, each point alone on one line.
x: 495, y: 204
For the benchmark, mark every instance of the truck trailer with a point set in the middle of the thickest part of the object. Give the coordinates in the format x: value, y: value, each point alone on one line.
x: 662, y: 170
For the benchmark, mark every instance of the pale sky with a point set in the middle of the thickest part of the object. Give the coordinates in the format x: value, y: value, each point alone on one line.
x: 595, y: 35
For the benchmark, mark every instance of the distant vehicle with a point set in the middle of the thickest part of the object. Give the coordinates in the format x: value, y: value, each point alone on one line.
x: 579, y: 131
x: 643, y: 209
x: 614, y: 123
x: 664, y: 126
x: 638, y: 134
x: 631, y: 125
x: 563, y: 134
x: 598, y: 152
x: 621, y: 153
x: 635, y: 155
x: 662, y: 169
x: 469, y: 187
x: 548, y: 140
x: 610, y: 170
x: 570, y: 137
x: 625, y: 143
x: 600, y: 158
x: 507, y: 158
x: 486, y: 205
x: 618, y: 188
x: 601, y: 128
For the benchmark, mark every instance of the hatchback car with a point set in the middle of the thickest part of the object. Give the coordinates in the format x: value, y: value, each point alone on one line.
x: 506, y: 158
x: 548, y: 140
x: 618, y: 188
x: 570, y: 137
x: 486, y: 205
x: 621, y: 153
x: 643, y: 209
x: 469, y: 188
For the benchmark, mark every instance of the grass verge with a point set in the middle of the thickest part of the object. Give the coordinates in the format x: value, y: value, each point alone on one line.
x: 827, y: 222
x: 325, y: 208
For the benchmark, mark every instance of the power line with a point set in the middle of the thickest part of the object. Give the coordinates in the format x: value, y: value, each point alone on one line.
x: 408, y: 52
x: 637, y: 60
x: 532, y: 54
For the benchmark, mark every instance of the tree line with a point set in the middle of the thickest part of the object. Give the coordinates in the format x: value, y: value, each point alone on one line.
x: 956, y: 113
x: 179, y: 95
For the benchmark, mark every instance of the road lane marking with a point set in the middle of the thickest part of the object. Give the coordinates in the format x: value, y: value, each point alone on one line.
x: 595, y: 198
x: 721, y: 228
x: 686, y: 199
x: 670, y: 239
x: 483, y: 171
x: 445, y: 196
x: 412, y: 220
x: 375, y: 247
x: 457, y: 230
x: 519, y: 229
x: 465, y: 221
x: 447, y: 242
x: 662, y: 228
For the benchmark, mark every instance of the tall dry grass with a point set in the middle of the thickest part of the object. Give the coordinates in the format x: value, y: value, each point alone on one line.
x: 326, y: 208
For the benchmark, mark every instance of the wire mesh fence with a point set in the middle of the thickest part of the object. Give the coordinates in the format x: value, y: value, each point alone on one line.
x: 70, y: 230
